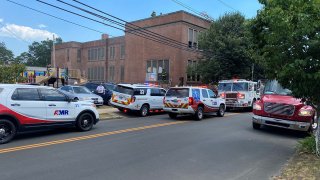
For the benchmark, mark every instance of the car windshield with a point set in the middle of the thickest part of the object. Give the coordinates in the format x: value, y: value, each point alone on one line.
x: 110, y: 87
x: 124, y: 90
x: 178, y: 92
x: 238, y: 86
x: 273, y: 87
x: 81, y: 90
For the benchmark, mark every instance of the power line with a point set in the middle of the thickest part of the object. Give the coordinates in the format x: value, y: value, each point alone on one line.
x: 204, y: 15
x: 56, y: 17
x: 227, y: 5
x: 140, y: 31
x: 131, y: 32
x: 132, y: 26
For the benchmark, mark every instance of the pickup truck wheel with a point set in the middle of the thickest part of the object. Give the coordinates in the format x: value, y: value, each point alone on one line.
x: 199, y: 114
x: 221, y: 111
x: 7, y: 131
x: 256, y: 125
x: 173, y: 115
x: 85, y: 122
x: 144, y: 110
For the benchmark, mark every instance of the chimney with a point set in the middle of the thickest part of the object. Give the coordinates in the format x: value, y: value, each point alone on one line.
x: 104, y: 36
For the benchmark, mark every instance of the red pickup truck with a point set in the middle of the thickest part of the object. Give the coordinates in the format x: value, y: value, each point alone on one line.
x: 278, y: 108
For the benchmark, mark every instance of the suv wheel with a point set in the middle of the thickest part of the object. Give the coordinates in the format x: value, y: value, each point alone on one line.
x: 173, y: 115
x: 199, y: 113
x: 7, y: 131
x: 221, y: 111
x: 85, y: 122
x: 144, y: 110
x: 256, y: 125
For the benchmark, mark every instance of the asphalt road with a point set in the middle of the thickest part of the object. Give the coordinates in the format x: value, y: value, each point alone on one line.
x: 151, y: 148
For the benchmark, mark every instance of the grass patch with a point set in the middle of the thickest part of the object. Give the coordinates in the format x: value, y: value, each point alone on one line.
x: 308, y: 145
x: 305, y: 164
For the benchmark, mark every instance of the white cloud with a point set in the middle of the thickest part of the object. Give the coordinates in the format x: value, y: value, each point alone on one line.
x: 1, y: 20
x: 25, y: 33
x: 42, y: 26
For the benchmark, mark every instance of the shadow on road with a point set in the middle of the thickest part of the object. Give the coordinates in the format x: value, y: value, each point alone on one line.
x: 281, y: 132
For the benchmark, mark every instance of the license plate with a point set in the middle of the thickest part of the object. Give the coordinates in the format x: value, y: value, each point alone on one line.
x: 96, y: 102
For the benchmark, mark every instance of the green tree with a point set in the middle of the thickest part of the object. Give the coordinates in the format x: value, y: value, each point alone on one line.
x: 153, y: 14
x: 12, y: 73
x: 6, y: 55
x: 226, y: 46
x: 287, y: 34
x: 39, y: 53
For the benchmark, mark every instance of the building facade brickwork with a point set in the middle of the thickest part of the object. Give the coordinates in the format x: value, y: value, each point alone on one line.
x: 133, y: 59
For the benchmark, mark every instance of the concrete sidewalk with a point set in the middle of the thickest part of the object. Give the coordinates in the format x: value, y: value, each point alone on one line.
x: 108, y: 112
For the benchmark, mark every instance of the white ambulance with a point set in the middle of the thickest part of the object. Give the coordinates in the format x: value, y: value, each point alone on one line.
x: 238, y: 93
x: 27, y: 108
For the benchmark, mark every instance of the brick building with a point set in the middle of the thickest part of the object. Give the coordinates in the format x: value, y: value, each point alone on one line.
x: 133, y: 59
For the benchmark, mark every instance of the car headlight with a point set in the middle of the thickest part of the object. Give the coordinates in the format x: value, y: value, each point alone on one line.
x: 257, y: 107
x: 305, y: 112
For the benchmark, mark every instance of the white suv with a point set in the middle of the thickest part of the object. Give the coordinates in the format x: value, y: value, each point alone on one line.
x: 136, y: 97
x: 26, y: 107
x: 193, y: 100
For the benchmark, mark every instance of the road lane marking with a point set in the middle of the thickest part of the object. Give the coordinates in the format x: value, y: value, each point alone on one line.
x: 49, y: 143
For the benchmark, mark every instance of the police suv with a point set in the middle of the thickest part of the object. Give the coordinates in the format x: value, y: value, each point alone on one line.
x: 138, y: 97
x: 26, y: 107
x: 196, y: 101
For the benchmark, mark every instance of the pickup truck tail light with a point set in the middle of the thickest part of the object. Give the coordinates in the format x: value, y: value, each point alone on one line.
x: 190, y: 101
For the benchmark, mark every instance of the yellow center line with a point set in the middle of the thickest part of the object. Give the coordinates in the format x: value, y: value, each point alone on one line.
x: 49, y: 143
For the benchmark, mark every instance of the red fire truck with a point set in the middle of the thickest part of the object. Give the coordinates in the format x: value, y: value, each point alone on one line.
x: 278, y: 108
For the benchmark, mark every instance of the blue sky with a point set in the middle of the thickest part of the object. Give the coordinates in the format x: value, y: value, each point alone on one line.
x: 19, y: 26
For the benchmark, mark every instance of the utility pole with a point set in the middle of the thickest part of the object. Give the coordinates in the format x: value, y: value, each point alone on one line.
x: 54, y: 60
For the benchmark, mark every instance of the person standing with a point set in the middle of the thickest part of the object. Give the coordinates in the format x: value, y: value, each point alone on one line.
x: 100, y: 89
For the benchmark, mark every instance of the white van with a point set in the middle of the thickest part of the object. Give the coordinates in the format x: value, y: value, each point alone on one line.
x: 138, y: 97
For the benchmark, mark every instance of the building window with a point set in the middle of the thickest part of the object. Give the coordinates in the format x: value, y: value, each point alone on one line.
x: 191, y: 71
x: 193, y: 38
x: 112, y: 52
x: 111, y: 73
x: 95, y: 54
x: 157, y: 70
x: 122, y: 74
x: 122, y: 52
x: 79, y: 55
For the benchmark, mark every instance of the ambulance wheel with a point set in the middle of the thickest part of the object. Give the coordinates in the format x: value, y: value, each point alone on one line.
x: 221, y: 111
x: 199, y: 114
x: 7, y: 131
x: 144, y: 110
x: 173, y: 115
x: 256, y: 125
x: 85, y: 122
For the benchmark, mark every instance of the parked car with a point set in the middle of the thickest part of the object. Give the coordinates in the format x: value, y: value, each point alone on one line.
x: 81, y: 93
x: 108, y: 90
x: 195, y: 101
x: 139, y: 98
x: 277, y: 107
x: 28, y: 108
